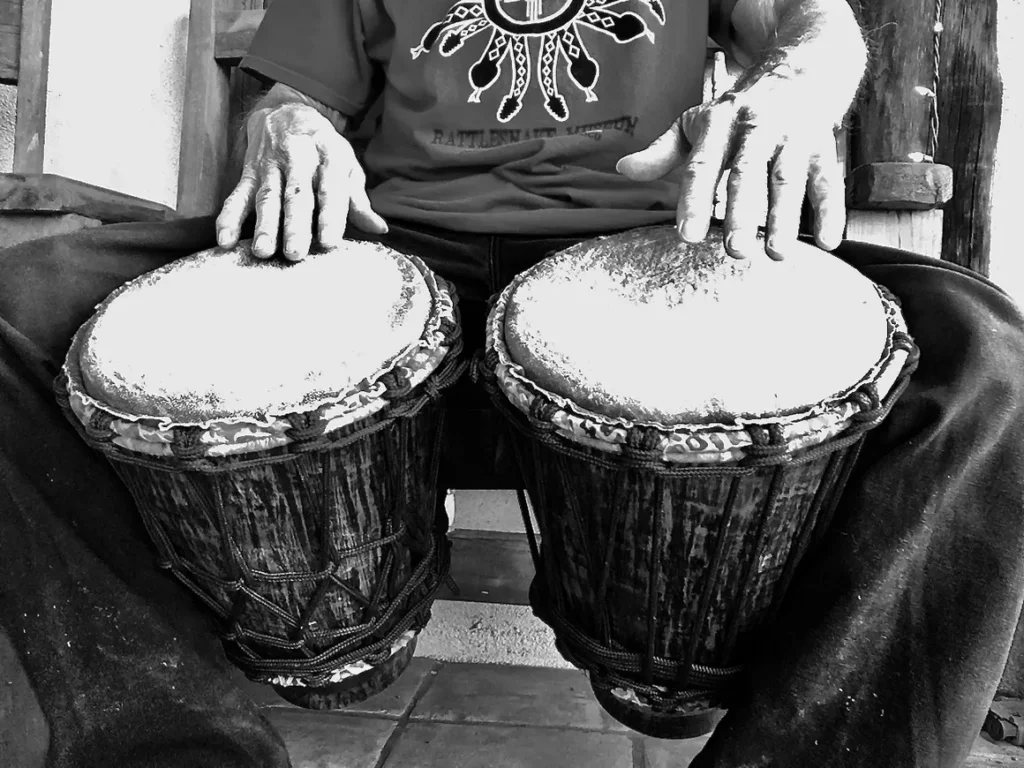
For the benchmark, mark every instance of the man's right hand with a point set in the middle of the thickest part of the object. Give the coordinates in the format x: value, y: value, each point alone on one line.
x: 297, y: 167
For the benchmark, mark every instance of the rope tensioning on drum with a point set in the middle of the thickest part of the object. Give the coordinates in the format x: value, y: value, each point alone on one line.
x: 424, y: 582
x: 352, y: 645
x: 768, y: 448
x: 190, y: 455
x: 611, y: 667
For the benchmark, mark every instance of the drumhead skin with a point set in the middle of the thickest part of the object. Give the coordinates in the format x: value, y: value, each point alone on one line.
x: 222, y: 334
x: 234, y: 345
x: 643, y: 328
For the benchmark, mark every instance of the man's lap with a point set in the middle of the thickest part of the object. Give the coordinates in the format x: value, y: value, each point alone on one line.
x: 969, y: 331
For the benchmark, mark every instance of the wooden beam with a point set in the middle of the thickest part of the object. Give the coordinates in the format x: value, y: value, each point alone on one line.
x: 33, y: 71
x: 970, y: 110
x: 204, y: 124
x: 892, y: 120
x: 899, y: 187
x: 48, y: 193
x: 10, y: 40
x: 490, y: 567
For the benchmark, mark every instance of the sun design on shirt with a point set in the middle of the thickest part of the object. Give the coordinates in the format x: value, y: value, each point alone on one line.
x: 560, y: 43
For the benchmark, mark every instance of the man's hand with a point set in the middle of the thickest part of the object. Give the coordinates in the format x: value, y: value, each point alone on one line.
x: 774, y: 153
x: 773, y: 132
x: 297, y: 168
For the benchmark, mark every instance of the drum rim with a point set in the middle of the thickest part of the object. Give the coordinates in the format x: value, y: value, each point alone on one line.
x: 697, y: 443
x: 155, y: 435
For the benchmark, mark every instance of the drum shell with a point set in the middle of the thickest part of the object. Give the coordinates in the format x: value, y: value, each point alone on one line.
x: 272, y: 529
x: 634, y: 558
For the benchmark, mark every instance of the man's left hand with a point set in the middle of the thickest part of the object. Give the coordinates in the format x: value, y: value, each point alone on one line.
x: 774, y: 153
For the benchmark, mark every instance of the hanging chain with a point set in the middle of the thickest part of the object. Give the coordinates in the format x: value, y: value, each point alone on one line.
x: 933, y: 139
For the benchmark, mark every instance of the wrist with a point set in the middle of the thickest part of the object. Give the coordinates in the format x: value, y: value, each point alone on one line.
x: 282, y: 95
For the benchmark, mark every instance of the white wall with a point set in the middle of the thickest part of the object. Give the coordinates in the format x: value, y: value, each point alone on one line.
x: 114, y: 104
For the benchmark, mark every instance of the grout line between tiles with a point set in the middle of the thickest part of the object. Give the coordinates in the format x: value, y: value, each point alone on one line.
x: 510, y: 724
x: 399, y: 730
x: 639, y: 753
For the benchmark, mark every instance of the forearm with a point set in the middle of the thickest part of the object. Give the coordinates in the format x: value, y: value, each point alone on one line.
x: 808, y: 49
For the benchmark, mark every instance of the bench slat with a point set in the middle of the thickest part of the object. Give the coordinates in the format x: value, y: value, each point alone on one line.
x: 10, y: 45
x: 48, y: 193
x: 490, y: 567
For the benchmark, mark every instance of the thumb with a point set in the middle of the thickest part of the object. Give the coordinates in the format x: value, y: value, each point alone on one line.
x: 660, y: 157
x: 664, y: 153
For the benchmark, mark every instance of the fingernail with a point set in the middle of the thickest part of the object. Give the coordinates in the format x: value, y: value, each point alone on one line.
x: 262, y: 244
x: 772, y: 246
x: 733, y: 245
x: 690, y: 231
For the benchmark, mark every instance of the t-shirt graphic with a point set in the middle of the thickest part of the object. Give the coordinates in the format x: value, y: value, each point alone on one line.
x: 553, y: 31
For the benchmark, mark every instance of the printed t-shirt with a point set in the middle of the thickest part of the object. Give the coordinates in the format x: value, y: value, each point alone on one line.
x: 502, y: 116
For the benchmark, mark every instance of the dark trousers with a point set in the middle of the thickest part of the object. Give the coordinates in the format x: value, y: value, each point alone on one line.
x: 887, y: 651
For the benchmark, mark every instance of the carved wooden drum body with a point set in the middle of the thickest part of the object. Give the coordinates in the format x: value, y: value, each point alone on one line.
x: 685, y: 423
x: 278, y: 426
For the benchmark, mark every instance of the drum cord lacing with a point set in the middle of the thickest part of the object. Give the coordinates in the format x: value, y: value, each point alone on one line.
x: 614, y: 667
x: 350, y: 644
x: 306, y: 430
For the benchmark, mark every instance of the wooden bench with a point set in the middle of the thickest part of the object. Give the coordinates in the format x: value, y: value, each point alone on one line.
x: 34, y: 203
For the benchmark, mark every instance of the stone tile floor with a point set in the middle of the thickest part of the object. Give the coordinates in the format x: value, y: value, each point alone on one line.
x: 447, y: 715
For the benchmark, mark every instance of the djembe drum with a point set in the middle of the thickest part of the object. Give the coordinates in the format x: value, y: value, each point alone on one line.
x: 278, y: 425
x: 684, y: 423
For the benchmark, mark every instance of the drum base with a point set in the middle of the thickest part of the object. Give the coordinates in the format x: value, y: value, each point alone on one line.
x: 660, y: 725
x: 352, y: 690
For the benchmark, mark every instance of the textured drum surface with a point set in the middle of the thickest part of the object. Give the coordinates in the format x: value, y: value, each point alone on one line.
x: 278, y: 427
x: 685, y: 424
x: 648, y: 328
x: 222, y: 334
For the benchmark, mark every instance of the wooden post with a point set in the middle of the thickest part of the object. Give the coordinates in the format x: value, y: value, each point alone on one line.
x: 33, y: 67
x: 893, y: 198
x: 970, y: 110
x: 204, y: 131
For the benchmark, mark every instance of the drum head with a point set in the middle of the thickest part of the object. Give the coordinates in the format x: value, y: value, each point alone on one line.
x: 644, y: 327
x: 223, y: 335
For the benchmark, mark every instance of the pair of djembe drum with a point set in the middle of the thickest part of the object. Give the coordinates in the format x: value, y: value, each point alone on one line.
x: 684, y: 423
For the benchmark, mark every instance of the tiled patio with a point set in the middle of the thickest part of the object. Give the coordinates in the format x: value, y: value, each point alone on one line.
x: 453, y: 715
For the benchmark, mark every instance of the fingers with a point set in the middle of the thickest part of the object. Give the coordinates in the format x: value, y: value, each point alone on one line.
x: 747, y: 203
x: 235, y: 210
x: 268, y: 212
x: 303, y: 161
x: 701, y: 172
x: 341, y: 196
x: 660, y: 157
x: 787, y: 184
x: 826, y: 190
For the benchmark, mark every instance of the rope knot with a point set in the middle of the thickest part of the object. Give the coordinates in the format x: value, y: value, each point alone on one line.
x: 304, y: 427
x: 187, y: 443
x: 396, y: 383
x: 642, y: 439
x: 542, y: 409
x: 98, y: 427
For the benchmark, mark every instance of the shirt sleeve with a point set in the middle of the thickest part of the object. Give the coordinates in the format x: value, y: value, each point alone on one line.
x: 317, y: 47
